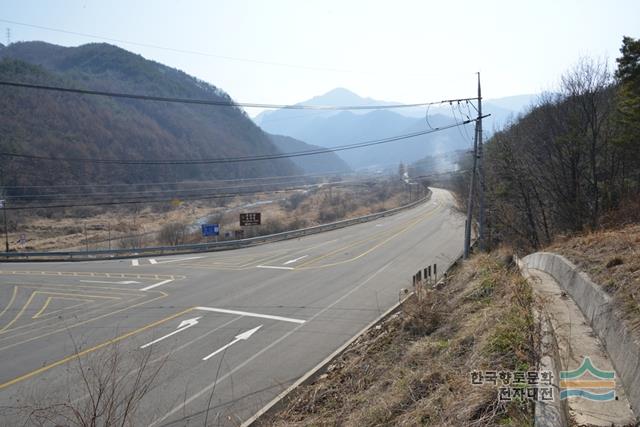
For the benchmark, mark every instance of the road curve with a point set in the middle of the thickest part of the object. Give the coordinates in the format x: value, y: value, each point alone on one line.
x: 221, y: 333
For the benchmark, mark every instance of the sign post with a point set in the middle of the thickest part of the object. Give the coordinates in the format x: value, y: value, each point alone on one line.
x: 247, y: 219
x: 6, y: 232
x: 210, y: 230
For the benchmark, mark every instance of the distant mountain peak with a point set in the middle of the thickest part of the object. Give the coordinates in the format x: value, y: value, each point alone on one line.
x: 342, y: 96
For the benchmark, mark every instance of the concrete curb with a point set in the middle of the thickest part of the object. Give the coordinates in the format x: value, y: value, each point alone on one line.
x: 553, y: 413
x: 621, y: 344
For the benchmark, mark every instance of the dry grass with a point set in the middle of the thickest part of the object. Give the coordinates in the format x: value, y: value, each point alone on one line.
x: 141, y: 226
x: 414, y: 368
x: 612, y: 259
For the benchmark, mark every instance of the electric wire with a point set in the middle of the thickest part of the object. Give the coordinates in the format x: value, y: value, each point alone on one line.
x: 216, y: 102
x: 241, y: 159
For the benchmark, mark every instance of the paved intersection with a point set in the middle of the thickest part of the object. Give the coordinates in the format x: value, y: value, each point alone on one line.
x: 221, y: 333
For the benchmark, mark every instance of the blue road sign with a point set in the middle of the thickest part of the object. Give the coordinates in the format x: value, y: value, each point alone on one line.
x: 210, y: 229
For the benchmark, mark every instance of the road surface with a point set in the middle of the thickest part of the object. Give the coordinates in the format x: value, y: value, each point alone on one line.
x: 216, y: 336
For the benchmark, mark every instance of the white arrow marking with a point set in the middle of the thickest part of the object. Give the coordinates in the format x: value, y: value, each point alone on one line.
x: 274, y: 267
x: 185, y: 324
x: 291, y: 261
x: 123, y: 282
x: 243, y: 336
x: 134, y: 263
x: 152, y: 261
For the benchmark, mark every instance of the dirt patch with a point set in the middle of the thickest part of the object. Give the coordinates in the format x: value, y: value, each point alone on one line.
x: 415, y: 368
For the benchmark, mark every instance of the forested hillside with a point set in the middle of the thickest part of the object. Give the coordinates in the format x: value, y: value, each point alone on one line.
x: 319, y: 163
x: 573, y: 161
x: 82, y: 126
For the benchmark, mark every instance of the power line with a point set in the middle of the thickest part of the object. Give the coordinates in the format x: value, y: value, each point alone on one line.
x: 142, y: 200
x: 223, y: 103
x: 174, y: 192
x: 241, y: 159
x: 171, y: 49
x: 273, y: 177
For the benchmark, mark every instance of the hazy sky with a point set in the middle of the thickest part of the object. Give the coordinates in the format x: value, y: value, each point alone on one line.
x: 406, y: 51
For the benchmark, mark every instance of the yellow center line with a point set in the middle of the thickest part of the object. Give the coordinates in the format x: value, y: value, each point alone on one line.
x: 68, y: 327
x: 92, y: 349
x: 24, y: 307
x: 396, y: 231
x: 38, y: 325
x: 44, y: 307
x: 91, y: 274
x: 32, y: 296
x: 13, y: 297
x: 39, y: 314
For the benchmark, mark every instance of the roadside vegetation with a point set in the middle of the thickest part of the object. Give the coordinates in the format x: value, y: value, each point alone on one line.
x: 564, y: 166
x: 611, y: 257
x: 415, y: 367
x: 179, y: 222
x: 563, y: 177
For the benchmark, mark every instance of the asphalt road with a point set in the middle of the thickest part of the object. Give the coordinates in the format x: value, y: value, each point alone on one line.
x: 215, y: 336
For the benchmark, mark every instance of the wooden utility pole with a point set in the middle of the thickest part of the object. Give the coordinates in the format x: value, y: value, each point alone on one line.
x: 476, y: 154
x: 480, y: 172
x: 6, y: 229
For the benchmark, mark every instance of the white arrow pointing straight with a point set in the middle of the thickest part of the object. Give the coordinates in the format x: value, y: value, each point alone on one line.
x: 242, y: 337
x: 291, y: 261
x: 185, y: 324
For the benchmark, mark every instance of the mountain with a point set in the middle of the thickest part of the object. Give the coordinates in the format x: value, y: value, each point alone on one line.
x: 319, y: 163
x: 296, y: 118
x: 53, y: 124
x: 332, y: 128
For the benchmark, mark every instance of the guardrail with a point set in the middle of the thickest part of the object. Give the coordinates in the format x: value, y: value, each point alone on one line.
x: 198, y: 247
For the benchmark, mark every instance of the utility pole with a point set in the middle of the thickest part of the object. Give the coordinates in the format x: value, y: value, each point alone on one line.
x: 480, y: 172
x: 476, y: 154
x: 6, y: 229
x: 8, y: 36
x: 86, y: 238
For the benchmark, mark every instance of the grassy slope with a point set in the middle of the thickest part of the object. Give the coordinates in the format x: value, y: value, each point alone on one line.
x: 414, y: 369
x: 612, y: 259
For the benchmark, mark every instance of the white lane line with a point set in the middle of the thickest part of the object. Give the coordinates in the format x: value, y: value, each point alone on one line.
x: 245, y: 313
x: 274, y: 267
x: 177, y: 259
x: 164, y: 282
x: 152, y: 261
x: 291, y: 261
x: 135, y: 263
x: 122, y: 282
x: 261, y: 352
